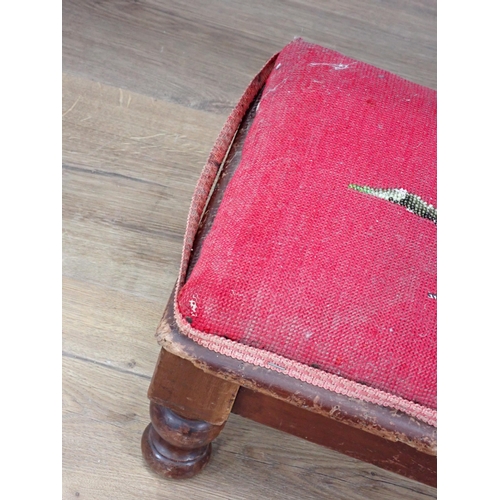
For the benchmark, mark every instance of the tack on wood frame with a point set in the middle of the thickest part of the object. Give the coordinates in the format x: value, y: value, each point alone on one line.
x: 193, y: 391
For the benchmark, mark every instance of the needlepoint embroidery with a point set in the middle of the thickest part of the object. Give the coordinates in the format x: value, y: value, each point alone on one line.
x: 400, y: 196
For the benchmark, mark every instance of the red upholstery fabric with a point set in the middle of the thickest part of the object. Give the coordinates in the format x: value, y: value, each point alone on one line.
x: 300, y: 262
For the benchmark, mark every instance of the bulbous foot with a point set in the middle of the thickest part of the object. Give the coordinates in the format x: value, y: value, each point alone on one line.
x: 175, y: 447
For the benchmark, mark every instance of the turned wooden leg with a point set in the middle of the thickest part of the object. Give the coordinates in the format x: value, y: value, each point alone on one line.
x: 177, y: 447
x: 188, y: 410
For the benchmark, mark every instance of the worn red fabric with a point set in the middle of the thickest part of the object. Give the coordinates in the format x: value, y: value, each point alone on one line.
x: 300, y: 264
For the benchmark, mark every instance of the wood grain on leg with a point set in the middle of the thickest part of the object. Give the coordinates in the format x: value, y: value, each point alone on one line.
x: 191, y: 392
x: 177, y: 447
x: 188, y: 410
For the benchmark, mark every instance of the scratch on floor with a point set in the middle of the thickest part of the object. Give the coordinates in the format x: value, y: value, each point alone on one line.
x: 147, y: 137
x: 74, y: 104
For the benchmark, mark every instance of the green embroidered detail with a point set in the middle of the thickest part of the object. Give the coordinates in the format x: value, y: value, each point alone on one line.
x: 399, y: 196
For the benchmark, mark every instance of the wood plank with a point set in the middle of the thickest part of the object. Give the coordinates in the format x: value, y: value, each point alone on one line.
x: 110, y: 327
x: 127, y: 184
x: 110, y: 130
x: 120, y: 232
x: 202, y: 54
x: 140, y: 264
x: 105, y: 412
x: 124, y: 203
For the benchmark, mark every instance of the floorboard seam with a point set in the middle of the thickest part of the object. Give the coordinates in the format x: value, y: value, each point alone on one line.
x: 104, y: 173
x: 100, y: 363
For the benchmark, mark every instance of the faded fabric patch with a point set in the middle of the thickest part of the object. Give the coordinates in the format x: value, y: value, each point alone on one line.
x: 298, y: 265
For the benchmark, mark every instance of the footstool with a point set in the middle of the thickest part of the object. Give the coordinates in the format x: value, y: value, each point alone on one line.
x: 306, y: 297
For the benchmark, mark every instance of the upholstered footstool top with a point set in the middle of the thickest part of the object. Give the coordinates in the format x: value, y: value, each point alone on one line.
x: 321, y: 261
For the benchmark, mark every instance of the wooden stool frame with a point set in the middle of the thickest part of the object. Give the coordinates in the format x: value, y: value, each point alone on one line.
x: 193, y: 391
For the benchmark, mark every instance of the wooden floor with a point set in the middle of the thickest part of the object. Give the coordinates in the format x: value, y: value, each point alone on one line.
x: 147, y: 85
